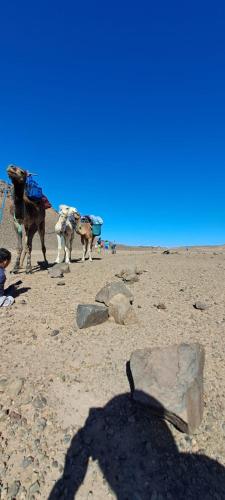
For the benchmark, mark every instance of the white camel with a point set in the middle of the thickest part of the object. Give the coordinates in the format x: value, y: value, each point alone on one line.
x: 65, y: 228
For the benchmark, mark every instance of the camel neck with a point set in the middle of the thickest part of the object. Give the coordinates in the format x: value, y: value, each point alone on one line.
x: 18, y: 200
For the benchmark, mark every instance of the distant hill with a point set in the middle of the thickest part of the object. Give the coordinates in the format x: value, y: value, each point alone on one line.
x: 7, y: 234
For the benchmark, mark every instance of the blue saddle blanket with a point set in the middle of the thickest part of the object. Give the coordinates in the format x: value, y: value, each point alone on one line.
x: 32, y: 189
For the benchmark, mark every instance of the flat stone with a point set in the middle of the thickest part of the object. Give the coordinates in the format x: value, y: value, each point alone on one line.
x: 55, y: 272
x: 65, y: 268
x: 61, y: 283
x: 201, y: 306
x: 91, y: 315
x: 14, y: 489
x: 54, y: 333
x: 170, y: 381
x: 108, y: 292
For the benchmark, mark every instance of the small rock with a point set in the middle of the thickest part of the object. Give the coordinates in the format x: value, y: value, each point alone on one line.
x: 61, y: 283
x: 67, y: 438
x: 90, y: 315
x: 39, y: 402
x: 161, y: 306
x: 65, y: 268
x: 26, y: 462
x: 201, y: 306
x: 15, y: 417
x: 55, y: 273
x: 131, y: 278
x: 41, y: 423
x: 54, y: 333
x: 14, y: 489
x: 108, y: 292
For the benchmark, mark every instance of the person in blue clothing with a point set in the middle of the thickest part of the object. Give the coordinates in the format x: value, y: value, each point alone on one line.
x: 5, y: 259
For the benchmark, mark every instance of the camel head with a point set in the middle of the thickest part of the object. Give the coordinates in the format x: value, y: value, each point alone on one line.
x: 16, y: 174
x: 66, y: 214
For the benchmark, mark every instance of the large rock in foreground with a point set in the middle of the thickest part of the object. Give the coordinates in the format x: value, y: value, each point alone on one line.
x: 170, y: 381
x: 91, y: 315
x: 112, y: 289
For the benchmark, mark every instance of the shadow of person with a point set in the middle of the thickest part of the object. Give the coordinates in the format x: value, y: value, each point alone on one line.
x: 138, y: 457
x: 14, y: 291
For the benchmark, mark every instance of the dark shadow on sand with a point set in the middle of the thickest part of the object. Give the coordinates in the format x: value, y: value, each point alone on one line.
x: 79, y: 260
x: 138, y: 457
x: 14, y: 291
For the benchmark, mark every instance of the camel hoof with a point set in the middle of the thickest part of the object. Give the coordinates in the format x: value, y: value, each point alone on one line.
x: 28, y: 271
x: 14, y: 271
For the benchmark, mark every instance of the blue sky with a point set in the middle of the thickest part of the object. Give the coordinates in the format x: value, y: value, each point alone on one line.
x: 120, y: 108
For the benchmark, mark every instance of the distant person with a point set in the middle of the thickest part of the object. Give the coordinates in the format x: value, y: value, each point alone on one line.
x: 5, y: 259
x: 113, y: 248
x: 98, y: 244
x: 106, y: 244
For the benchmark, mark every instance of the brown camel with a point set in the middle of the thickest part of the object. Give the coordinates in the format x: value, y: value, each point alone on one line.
x: 29, y: 213
x: 84, y: 229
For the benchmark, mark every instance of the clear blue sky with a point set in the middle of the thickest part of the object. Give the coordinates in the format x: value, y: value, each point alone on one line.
x: 120, y: 108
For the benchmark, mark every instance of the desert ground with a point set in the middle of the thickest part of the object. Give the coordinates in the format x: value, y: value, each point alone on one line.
x: 65, y: 394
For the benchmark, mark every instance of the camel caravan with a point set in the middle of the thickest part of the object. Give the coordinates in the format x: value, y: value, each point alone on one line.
x: 28, y: 209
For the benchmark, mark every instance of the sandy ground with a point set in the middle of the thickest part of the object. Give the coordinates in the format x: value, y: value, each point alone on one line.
x: 53, y: 377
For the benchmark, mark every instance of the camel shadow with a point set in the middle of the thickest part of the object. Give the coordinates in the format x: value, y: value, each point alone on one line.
x: 40, y: 266
x: 138, y: 457
x: 79, y: 261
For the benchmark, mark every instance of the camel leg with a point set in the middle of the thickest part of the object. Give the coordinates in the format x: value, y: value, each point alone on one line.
x: 83, y: 241
x: 67, y: 249
x: 60, y: 240
x: 41, y: 232
x: 24, y: 253
x: 30, y: 232
x: 71, y: 245
x: 90, y: 249
x: 19, y: 234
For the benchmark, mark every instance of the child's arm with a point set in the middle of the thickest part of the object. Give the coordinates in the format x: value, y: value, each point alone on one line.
x: 2, y: 282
